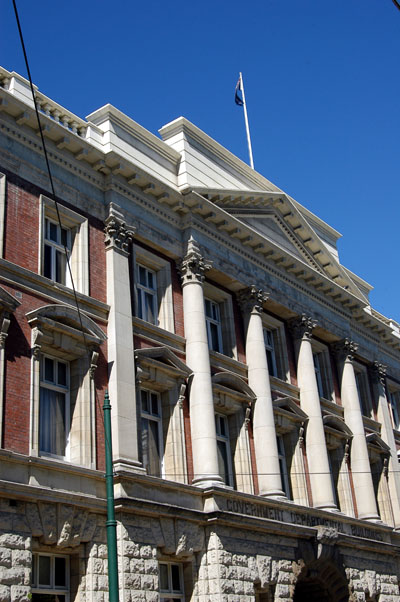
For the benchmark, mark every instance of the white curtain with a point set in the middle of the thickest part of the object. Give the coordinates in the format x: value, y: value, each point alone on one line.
x: 52, y: 422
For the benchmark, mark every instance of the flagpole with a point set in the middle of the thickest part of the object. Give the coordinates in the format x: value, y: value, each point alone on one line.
x: 246, y: 122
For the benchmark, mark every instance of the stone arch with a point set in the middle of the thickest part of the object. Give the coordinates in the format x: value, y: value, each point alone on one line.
x: 69, y: 316
x: 321, y: 581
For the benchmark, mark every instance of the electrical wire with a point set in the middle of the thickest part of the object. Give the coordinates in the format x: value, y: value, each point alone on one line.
x: 56, y: 204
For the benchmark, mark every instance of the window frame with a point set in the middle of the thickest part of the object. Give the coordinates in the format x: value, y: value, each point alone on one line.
x: 365, y: 403
x: 156, y: 418
x: 144, y: 290
x: 393, y: 392
x: 38, y: 588
x: 164, y: 311
x: 280, y: 358
x: 224, y: 302
x: 65, y: 390
x: 213, y: 321
x: 78, y: 228
x: 323, y: 371
x: 285, y: 478
x: 170, y: 592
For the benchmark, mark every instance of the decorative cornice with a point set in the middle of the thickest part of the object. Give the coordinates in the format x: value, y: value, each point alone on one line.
x: 193, y: 266
x: 118, y: 236
x: 302, y: 327
x: 252, y: 299
x: 345, y: 350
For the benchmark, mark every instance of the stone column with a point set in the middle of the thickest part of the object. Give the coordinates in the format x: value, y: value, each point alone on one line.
x: 317, y: 453
x: 202, y: 416
x: 251, y: 301
x: 121, y: 384
x: 378, y: 374
x: 360, y: 466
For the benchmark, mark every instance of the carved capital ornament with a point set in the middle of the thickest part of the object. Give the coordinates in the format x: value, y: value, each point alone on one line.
x: 252, y: 299
x: 302, y: 327
x: 345, y: 350
x: 193, y: 266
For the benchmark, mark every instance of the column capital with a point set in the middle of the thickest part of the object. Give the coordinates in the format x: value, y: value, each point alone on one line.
x: 302, y: 327
x: 193, y: 265
x: 252, y: 299
x: 345, y: 349
x: 117, y: 235
x: 378, y: 372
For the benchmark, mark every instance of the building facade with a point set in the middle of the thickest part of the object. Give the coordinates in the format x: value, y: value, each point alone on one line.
x: 255, y: 392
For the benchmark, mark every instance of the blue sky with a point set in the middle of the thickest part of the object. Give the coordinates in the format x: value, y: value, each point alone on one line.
x: 322, y: 87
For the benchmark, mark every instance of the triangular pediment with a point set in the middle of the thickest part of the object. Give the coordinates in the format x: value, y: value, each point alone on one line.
x: 275, y: 225
x: 163, y: 355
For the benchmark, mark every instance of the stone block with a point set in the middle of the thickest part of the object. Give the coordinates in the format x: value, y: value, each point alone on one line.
x: 147, y: 582
x: 227, y: 586
x: 152, y: 597
x: 132, y: 581
x: 137, y: 565
x: 13, y: 541
x: 132, y: 550
x: 5, y: 593
x: 146, y: 552
x: 239, y: 559
x: 5, y: 557
x: 21, y: 558
x: 239, y: 587
x: 19, y: 593
x: 151, y: 567
x: 138, y: 596
x: 12, y: 576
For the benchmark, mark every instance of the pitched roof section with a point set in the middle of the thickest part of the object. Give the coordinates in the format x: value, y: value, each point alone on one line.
x: 279, y: 220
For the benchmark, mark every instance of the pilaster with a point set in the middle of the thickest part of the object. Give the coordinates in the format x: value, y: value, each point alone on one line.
x: 118, y: 238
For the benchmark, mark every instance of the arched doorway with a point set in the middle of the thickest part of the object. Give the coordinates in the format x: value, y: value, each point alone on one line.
x: 321, y: 582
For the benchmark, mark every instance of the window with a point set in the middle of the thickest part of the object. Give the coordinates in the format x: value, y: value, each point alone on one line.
x: 171, y: 582
x: 283, y: 466
x: 394, y: 398
x: 224, y: 449
x: 57, y: 244
x: 153, y: 289
x: 53, y: 406
x: 151, y: 433
x: 363, y: 388
x: 323, y: 374
x: 275, y: 348
x: 213, y: 324
x: 50, y: 578
x: 219, y: 320
x: 147, y: 294
x: 71, y: 237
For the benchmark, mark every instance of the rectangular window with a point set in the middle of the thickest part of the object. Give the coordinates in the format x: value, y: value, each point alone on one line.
x: 270, y: 351
x: 53, y: 407
x: 152, y: 448
x: 394, y: 398
x: 213, y: 324
x: 57, y: 241
x: 224, y: 449
x: 171, y: 582
x: 283, y: 466
x: 50, y: 578
x: 323, y: 374
x: 363, y: 389
x: 57, y: 246
x: 147, y: 294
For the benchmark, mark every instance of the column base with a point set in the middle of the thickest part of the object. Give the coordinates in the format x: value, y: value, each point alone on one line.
x: 372, y: 518
x: 122, y: 466
x: 276, y: 494
x: 328, y: 507
x: 209, y: 481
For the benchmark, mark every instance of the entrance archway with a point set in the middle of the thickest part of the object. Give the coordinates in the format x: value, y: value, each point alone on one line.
x: 321, y: 582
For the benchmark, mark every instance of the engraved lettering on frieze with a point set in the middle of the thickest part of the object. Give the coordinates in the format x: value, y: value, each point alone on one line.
x: 345, y: 350
x: 193, y: 265
x: 302, y: 327
x: 252, y: 299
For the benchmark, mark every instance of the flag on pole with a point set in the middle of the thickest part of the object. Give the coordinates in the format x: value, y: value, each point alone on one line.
x: 238, y: 89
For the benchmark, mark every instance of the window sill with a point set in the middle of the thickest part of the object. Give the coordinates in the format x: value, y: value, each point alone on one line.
x: 154, y: 333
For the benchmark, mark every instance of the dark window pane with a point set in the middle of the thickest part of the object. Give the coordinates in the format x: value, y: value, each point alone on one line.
x: 47, y: 268
x: 59, y: 572
x: 49, y: 370
x: 149, y: 303
x: 64, y: 237
x: 140, y: 305
x: 44, y: 570
x: 176, y: 582
x: 214, y: 337
x: 208, y: 308
x: 223, y: 461
x: 164, y: 577
x: 150, y: 279
x: 270, y: 363
x: 142, y: 276
x: 47, y: 597
x: 61, y: 264
x: 33, y: 575
x: 154, y: 404
x: 53, y: 232
x: 62, y: 374
x: 145, y: 401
